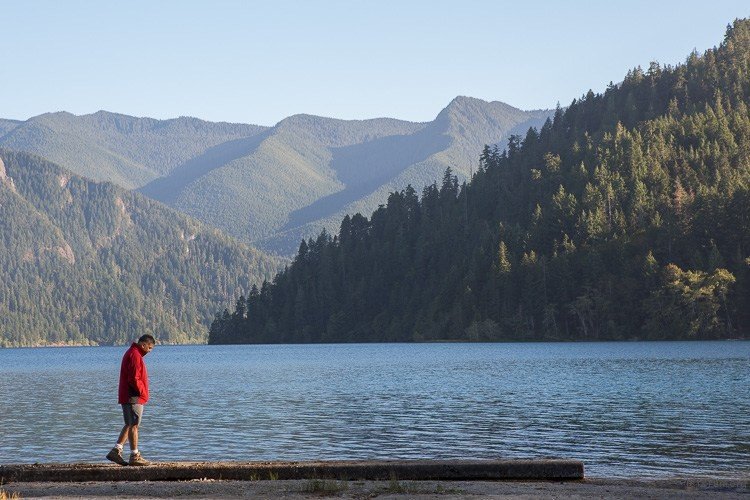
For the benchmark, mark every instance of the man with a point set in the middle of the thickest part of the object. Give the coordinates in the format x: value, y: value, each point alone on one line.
x: 132, y: 395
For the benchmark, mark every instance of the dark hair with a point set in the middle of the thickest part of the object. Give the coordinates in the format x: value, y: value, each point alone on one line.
x: 147, y: 338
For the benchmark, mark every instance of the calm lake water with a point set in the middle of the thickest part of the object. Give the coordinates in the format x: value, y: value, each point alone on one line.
x: 625, y: 409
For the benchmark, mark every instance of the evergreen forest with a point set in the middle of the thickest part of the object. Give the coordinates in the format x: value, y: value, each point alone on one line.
x: 625, y: 216
x: 89, y: 263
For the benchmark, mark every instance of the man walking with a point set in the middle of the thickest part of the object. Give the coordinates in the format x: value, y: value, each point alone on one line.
x: 132, y: 395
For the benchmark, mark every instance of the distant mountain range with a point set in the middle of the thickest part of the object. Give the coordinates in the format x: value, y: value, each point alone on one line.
x: 125, y: 150
x: 91, y: 263
x: 270, y: 186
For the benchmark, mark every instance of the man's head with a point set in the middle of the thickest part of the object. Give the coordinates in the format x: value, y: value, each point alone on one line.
x: 146, y: 343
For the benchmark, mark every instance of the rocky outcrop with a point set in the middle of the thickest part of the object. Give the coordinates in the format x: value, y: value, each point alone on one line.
x: 5, y: 179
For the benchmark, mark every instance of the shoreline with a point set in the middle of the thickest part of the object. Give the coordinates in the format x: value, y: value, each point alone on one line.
x: 447, y: 341
x: 434, y: 479
x: 590, y: 488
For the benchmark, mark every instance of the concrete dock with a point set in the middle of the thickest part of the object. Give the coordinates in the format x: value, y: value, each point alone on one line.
x: 375, y: 470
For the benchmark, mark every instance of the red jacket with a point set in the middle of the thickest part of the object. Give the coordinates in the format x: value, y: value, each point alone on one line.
x: 133, y: 376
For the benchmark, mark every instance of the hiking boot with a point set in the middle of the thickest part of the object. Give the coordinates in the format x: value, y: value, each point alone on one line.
x: 115, y: 455
x: 137, y: 459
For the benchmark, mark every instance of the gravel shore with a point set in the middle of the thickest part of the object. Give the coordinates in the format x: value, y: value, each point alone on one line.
x: 297, y: 489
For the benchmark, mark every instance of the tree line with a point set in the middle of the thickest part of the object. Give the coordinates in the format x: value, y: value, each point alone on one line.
x: 625, y: 216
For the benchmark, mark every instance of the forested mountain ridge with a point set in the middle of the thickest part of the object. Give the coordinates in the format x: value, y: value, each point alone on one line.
x: 250, y: 197
x: 125, y: 150
x: 91, y: 263
x: 307, y: 172
x: 7, y: 125
x: 369, y: 171
x: 626, y: 216
x: 269, y: 186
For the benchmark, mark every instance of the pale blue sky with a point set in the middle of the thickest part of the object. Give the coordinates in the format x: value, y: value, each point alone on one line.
x: 258, y: 62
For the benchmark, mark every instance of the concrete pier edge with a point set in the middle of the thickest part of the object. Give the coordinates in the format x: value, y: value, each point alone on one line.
x: 406, y: 470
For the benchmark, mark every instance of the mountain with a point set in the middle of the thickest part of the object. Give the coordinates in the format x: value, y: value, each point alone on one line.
x: 625, y: 216
x: 122, y: 149
x: 371, y: 170
x: 270, y: 186
x: 91, y: 263
x: 7, y: 125
x: 306, y: 172
x: 292, y: 166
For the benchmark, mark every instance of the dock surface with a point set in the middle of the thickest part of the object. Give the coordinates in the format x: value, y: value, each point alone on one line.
x: 375, y: 470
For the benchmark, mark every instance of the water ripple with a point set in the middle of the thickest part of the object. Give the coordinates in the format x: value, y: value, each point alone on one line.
x: 625, y: 409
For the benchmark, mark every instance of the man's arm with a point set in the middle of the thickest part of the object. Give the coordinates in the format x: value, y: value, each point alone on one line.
x: 136, y: 382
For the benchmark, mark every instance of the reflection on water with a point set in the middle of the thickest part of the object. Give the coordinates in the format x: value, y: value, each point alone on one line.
x: 625, y: 409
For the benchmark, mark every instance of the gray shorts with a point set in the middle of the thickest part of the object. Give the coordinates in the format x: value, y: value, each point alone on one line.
x: 132, y: 413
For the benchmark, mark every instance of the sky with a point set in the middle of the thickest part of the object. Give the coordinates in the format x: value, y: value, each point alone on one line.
x: 261, y: 61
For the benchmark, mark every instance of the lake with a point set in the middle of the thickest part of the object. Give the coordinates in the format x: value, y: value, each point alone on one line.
x: 626, y: 409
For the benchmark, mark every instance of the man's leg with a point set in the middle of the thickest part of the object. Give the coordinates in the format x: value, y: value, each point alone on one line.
x: 135, y: 455
x: 115, y: 455
x: 133, y: 437
x: 123, y: 435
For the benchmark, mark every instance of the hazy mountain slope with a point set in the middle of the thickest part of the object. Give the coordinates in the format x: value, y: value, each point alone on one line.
x: 453, y: 140
x: 126, y: 150
x: 305, y: 173
x: 7, y: 125
x: 86, y: 262
x: 291, y: 167
x: 271, y: 186
x: 166, y: 189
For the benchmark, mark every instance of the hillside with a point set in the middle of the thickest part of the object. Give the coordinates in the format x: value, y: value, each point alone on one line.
x: 125, y: 150
x: 292, y: 167
x: 372, y: 170
x: 626, y: 216
x: 7, y: 125
x: 91, y: 263
x: 307, y: 172
x: 269, y: 186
